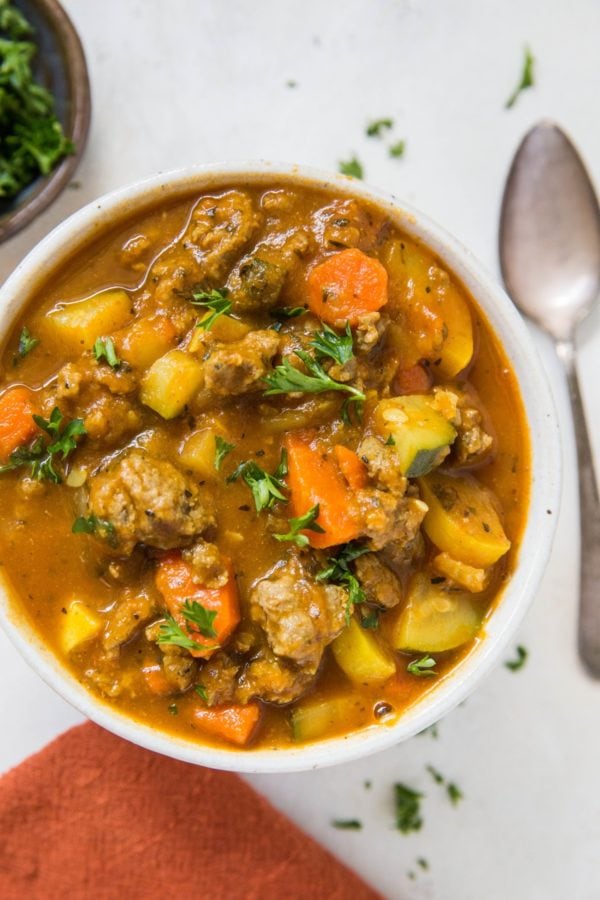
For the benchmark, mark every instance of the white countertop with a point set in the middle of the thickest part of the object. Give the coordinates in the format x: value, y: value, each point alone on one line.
x: 202, y: 80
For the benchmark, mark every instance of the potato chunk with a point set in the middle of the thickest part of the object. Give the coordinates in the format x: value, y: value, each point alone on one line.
x: 78, y: 325
x: 79, y: 625
x: 171, y: 382
x: 198, y: 453
x: 462, y: 520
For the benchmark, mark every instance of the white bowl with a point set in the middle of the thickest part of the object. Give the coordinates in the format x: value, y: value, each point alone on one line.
x: 86, y: 224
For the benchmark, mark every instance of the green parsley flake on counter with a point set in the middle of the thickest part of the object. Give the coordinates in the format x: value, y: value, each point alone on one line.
x: 347, y: 824
x: 396, y: 151
x: 352, y: 167
x: 514, y: 665
x: 378, y: 126
x: 408, y: 808
x: 526, y: 81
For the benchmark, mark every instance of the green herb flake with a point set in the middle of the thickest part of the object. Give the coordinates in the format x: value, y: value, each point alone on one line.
x: 287, y: 379
x: 266, y: 489
x: 397, y: 150
x: 351, y: 167
x: 104, y: 348
x: 296, y: 525
x: 408, y: 808
x: 26, y: 343
x: 215, y: 303
x: 454, y: 793
x: 222, y: 448
x: 338, y: 347
x: 201, y: 617
x: 437, y: 776
x: 347, y: 824
x: 171, y: 633
x: 339, y: 572
x: 390, y: 441
x: 526, y: 80
x: 370, y: 620
x: 287, y: 312
x: 422, y: 668
x: 377, y: 127
x: 422, y: 862
x: 516, y: 664
x: 201, y: 691
x: 40, y: 455
x: 93, y: 525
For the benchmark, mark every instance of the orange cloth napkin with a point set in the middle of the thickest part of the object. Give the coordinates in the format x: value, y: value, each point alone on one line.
x: 92, y: 817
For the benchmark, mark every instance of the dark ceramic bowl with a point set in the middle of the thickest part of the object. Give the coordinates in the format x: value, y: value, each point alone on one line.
x: 60, y: 66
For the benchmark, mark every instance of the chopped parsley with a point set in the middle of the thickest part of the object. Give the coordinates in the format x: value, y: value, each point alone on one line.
x: 339, y: 347
x: 378, y: 126
x: 26, y: 343
x: 347, y: 824
x: 201, y: 617
x: 287, y: 379
x: 215, y: 303
x: 422, y: 862
x: 437, y: 776
x: 222, y: 448
x: 287, y: 312
x: 93, y: 525
x: 266, y: 489
x: 171, y: 633
x: 300, y: 523
x: 370, y: 620
x: 455, y: 795
x: 408, y: 809
x: 201, y: 691
x: 423, y: 667
x: 526, y: 80
x: 351, y: 167
x: 391, y: 442
x: 104, y: 348
x: 41, y: 454
x: 515, y: 664
x: 338, y: 572
x: 32, y: 140
x: 396, y: 151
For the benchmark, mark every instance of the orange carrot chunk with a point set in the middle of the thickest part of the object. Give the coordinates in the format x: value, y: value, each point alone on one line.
x: 174, y: 579
x: 351, y: 466
x: 314, y: 478
x: 16, y: 424
x: 347, y: 285
x: 155, y: 679
x: 236, y: 724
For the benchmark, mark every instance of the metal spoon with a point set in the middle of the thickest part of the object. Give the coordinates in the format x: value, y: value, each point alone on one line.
x: 550, y: 259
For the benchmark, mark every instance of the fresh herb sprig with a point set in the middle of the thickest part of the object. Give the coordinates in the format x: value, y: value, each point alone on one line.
x: 26, y: 343
x: 328, y: 343
x: 104, y: 348
x: 196, y: 615
x: 222, y: 448
x: 266, y: 489
x: 339, y: 572
x: 307, y: 522
x: 423, y: 667
x: 94, y: 525
x: 215, y: 303
x: 42, y: 454
x: 201, y: 617
x: 287, y: 379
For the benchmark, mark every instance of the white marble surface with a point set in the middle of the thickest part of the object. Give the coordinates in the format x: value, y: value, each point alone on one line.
x: 204, y: 80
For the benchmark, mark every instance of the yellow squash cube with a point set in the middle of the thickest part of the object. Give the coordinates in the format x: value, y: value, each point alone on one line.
x: 79, y: 625
x: 359, y: 654
x: 171, y: 382
x: 77, y: 325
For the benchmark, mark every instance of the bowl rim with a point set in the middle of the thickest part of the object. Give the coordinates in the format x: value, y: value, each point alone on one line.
x: 47, y: 188
x: 536, y: 540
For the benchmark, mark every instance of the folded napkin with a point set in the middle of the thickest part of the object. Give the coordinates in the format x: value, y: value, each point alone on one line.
x: 92, y: 816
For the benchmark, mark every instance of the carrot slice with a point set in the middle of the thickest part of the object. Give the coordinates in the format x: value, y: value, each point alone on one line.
x: 175, y: 582
x: 347, y: 285
x: 155, y: 679
x: 16, y: 424
x: 412, y: 380
x: 351, y: 466
x: 313, y: 477
x: 236, y: 724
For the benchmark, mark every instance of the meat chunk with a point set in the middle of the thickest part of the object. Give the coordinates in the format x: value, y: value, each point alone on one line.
x: 179, y: 668
x: 258, y: 280
x: 219, y: 678
x: 219, y: 229
x: 149, y: 501
x: 272, y: 679
x: 383, y: 464
x: 368, y: 331
x: 379, y: 583
x: 235, y: 368
x: 128, y: 615
x: 300, y: 616
x: 389, y: 518
x: 207, y: 564
x: 110, y: 419
x: 472, y: 442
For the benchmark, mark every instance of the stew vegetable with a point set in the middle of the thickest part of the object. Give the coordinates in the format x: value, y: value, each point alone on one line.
x: 263, y: 466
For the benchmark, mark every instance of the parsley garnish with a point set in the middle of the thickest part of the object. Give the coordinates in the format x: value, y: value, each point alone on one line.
x: 423, y: 667
x: 216, y: 304
x: 453, y: 791
x: 347, y: 824
x: 266, y: 489
x: 26, y: 343
x: 201, y: 691
x: 31, y: 138
x: 307, y: 521
x: 201, y: 617
x: 351, y: 167
x: 93, y: 525
x: 338, y: 572
x: 515, y: 664
x: 338, y: 347
x: 287, y: 312
x: 222, y: 448
x: 370, y: 620
x: 408, y: 809
x: 40, y: 455
x: 396, y: 151
x: 437, y: 776
x: 390, y: 441
x: 422, y: 862
x: 526, y: 80
x: 171, y: 633
x: 104, y: 348
x: 378, y: 126
x: 287, y: 379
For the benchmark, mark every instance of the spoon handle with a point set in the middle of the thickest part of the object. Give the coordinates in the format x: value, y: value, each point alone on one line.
x: 589, y: 513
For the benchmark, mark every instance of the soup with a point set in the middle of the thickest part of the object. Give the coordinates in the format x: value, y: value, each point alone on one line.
x: 264, y: 466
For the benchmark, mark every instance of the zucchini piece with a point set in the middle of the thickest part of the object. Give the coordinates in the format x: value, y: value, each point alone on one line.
x: 198, y: 453
x: 359, y: 654
x: 171, y: 382
x: 78, y: 626
x: 145, y: 340
x: 422, y: 434
x: 78, y: 325
x: 467, y: 577
x: 311, y: 720
x: 433, y: 620
x: 462, y: 519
